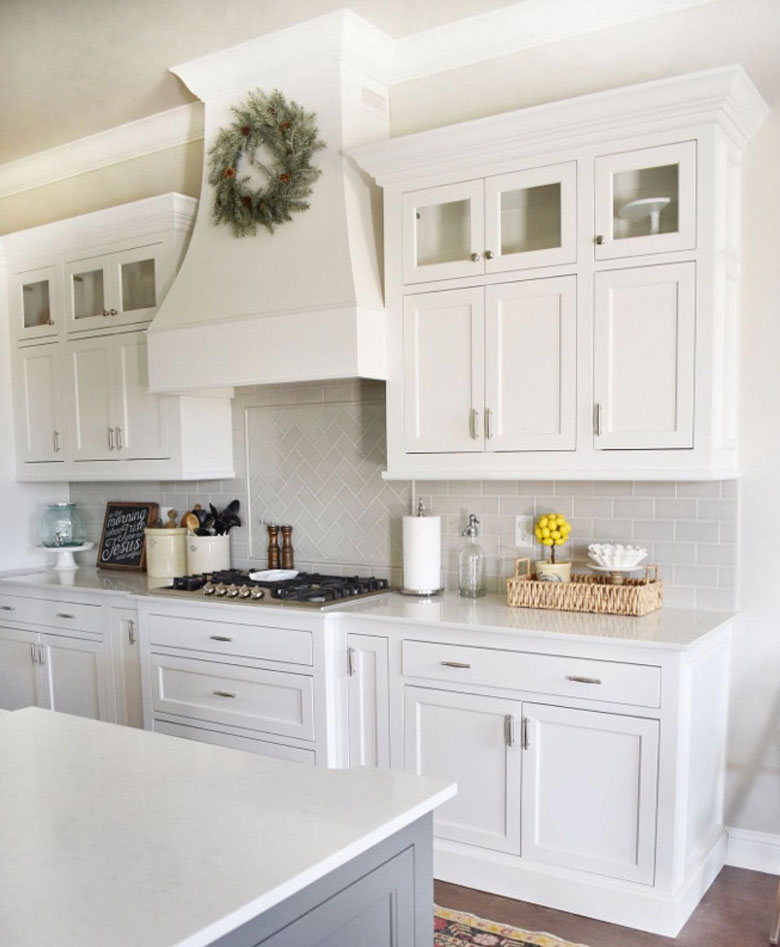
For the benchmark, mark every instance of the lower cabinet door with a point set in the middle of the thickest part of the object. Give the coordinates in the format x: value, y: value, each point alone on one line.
x: 471, y: 740
x: 368, y: 702
x: 74, y: 674
x: 127, y: 667
x: 589, y: 791
x: 19, y: 684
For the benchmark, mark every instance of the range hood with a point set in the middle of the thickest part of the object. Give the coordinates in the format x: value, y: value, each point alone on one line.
x: 304, y: 303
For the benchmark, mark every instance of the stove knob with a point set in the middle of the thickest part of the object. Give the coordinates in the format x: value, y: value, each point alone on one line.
x: 221, y: 590
x: 257, y: 593
x: 244, y: 592
x: 232, y: 591
x: 209, y: 588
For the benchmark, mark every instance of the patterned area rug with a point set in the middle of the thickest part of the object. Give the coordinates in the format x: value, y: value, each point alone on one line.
x: 456, y: 929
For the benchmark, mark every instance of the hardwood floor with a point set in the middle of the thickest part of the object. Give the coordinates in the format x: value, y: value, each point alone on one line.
x: 735, y: 912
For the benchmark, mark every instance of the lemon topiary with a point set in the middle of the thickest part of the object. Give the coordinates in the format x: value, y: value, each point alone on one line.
x: 552, y: 530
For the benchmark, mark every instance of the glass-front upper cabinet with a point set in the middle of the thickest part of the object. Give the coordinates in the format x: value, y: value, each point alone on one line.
x: 115, y: 289
x: 36, y: 304
x: 646, y: 201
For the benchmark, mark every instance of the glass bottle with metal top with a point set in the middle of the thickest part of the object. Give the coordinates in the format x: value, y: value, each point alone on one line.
x: 471, y: 562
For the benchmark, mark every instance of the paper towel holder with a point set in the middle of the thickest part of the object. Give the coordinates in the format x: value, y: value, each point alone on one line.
x: 423, y: 593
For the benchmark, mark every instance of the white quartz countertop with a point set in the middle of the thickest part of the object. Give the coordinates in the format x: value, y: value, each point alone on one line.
x: 84, y: 579
x: 115, y: 837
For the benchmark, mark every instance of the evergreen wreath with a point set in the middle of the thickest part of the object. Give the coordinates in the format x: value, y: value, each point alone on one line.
x: 290, y: 134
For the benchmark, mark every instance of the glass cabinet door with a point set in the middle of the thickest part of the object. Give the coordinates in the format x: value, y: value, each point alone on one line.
x: 443, y: 232
x: 531, y: 218
x: 35, y: 304
x: 137, y: 274
x: 86, y: 295
x: 646, y: 201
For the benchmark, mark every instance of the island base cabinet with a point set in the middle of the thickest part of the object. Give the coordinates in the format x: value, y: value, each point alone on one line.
x: 472, y: 740
x: 589, y: 791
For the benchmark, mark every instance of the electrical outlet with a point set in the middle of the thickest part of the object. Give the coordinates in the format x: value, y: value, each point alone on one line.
x: 524, y: 531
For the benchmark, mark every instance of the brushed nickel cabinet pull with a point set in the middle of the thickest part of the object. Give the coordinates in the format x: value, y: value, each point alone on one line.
x: 110, y: 438
x: 32, y: 654
x: 131, y: 630
x: 582, y: 680
x: 455, y: 664
x: 489, y: 254
x: 223, y: 694
x: 510, y: 730
x: 488, y: 423
x: 119, y: 442
x: 41, y: 654
x: 113, y: 312
x: 599, y: 239
x: 474, y: 423
x: 220, y: 638
x: 8, y: 608
x: 474, y: 257
x: 55, y: 437
x: 351, y: 663
x: 524, y: 736
x: 597, y: 419
x: 64, y: 615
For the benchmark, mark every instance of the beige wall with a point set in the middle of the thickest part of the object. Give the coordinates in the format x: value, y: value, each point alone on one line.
x: 719, y: 33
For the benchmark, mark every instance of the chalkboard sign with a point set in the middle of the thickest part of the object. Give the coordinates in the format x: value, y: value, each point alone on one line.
x: 122, y: 543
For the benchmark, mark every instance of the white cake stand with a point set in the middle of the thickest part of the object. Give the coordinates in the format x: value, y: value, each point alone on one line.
x: 65, y: 561
x: 645, y: 207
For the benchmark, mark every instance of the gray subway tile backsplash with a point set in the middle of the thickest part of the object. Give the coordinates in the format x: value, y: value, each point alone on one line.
x: 315, y: 453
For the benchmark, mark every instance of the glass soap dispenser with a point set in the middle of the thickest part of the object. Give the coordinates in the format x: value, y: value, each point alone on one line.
x: 471, y: 562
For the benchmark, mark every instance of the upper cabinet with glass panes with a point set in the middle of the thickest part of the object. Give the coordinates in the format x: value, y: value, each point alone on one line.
x: 491, y: 225
x: 35, y: 299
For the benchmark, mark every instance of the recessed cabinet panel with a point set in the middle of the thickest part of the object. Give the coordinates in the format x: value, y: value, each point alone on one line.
x: 531, y: 365
x: 141, y: 428
x: 444, y: 371
x: 368, y: 701
x: 530, y: 218
x: 646, y: 201
x: 18, y: 677
x: 38, y: 405
x: 75, y: 676
x: 466, y: 738
x: 90, y: 380
x: 644, y: 324
x: 589, y: 791
x: 442, y: 229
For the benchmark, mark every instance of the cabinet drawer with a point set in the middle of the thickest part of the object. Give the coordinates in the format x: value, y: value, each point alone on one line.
x: 65, y: 615
x: 281, y: 751
x: 636, y: 684
x: 271, y: 701
x: 261, y: 642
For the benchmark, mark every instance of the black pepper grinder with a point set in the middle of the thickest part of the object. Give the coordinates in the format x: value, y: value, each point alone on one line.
x: 288, y: 554
x: 273, y: 547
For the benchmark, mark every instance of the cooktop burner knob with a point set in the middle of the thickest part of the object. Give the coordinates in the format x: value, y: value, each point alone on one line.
x: 257, y: 594
x: 232, y: 591
x: 221, y: 590
x: 209, y: 588
x: 244, y: 592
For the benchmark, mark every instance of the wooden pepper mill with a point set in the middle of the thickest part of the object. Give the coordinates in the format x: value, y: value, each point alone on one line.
x: 273, y: 547
x: 288, y: 554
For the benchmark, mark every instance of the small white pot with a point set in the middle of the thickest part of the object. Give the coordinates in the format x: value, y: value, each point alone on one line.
x: 552, y: 571
x: 166, y: 552
x: 207, y: 553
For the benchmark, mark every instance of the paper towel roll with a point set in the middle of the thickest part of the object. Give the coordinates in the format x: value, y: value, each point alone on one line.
x: 422, y: 553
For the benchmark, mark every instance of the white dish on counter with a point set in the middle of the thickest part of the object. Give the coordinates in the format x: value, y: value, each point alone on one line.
x: 273, y: 575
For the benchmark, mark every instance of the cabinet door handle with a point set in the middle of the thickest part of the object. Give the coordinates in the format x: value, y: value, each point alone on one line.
x: 41, y: 654
x: 113, y: 312
x: 105, y: 313
x: 110, y: 438
x: 510, y: 730
x: 220, y: 638
x: 454, y: 664
x: 524, y: 742
x: 474, y: 258
x: 474, y: 423
x: 8, y: 608
x: 55, y: 437
x: 32, y: 654
x: 351, y: 663
x: 119, y: 442
x: 223, y: 694
x: 131, y: 630
x: 489, y: 254
x: 597, y: 419
x: 488, y: 423
x: 65, y: 615
x: 599, y: 239
x: 582, y: 680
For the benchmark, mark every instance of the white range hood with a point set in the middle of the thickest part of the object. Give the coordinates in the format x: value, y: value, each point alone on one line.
x: 304, y: 303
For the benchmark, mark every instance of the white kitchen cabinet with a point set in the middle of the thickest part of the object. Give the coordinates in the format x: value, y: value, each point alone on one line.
x: 19, y: 680
x: 127, y: 666
x: 589, y: 791
x: 651, y: 178
x: 113, y: 415
x: 368, y: 701
x: 38, y: 405
x: 645, y: 201
x: 470, y: 385
x: 35, y: 308
x: 114, y: 289
x: 644, y: 357
x: 504, y: 222
x: 472, y: 740
x: 74, y: 672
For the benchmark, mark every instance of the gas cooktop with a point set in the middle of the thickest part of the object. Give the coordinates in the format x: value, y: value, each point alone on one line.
x: 311, y: 589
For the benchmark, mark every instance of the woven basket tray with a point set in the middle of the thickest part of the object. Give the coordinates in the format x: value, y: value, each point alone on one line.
x: 586, y: 593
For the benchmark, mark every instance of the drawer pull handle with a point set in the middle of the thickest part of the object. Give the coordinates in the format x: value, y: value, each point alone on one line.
x: 64, y: 615
x: 223, y: 694
x: 220, y: 638
x: 583, y: 680
x: 455, y: 664
x: 8, y: 608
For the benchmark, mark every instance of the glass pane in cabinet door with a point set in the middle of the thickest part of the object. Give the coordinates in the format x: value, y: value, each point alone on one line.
x: 645, y: 201
x: 138, y: 285
x: 530, y: 219
x: 88, y: 294
x: 443, y: 232
x: 35, y: 304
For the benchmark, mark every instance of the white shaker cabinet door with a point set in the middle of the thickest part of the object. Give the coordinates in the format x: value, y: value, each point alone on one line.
x: 127, y: 667
x: 141, y: 420
x: 589, y: 791
x: 368, y: 701
x: 531, y: 365
x: 471, y: 740
x: 444, y: 368
x: 19, y: 681
x: 39, y: 404
x: 74, y: 672
x: 645, y: 328
x: 90, y: 381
